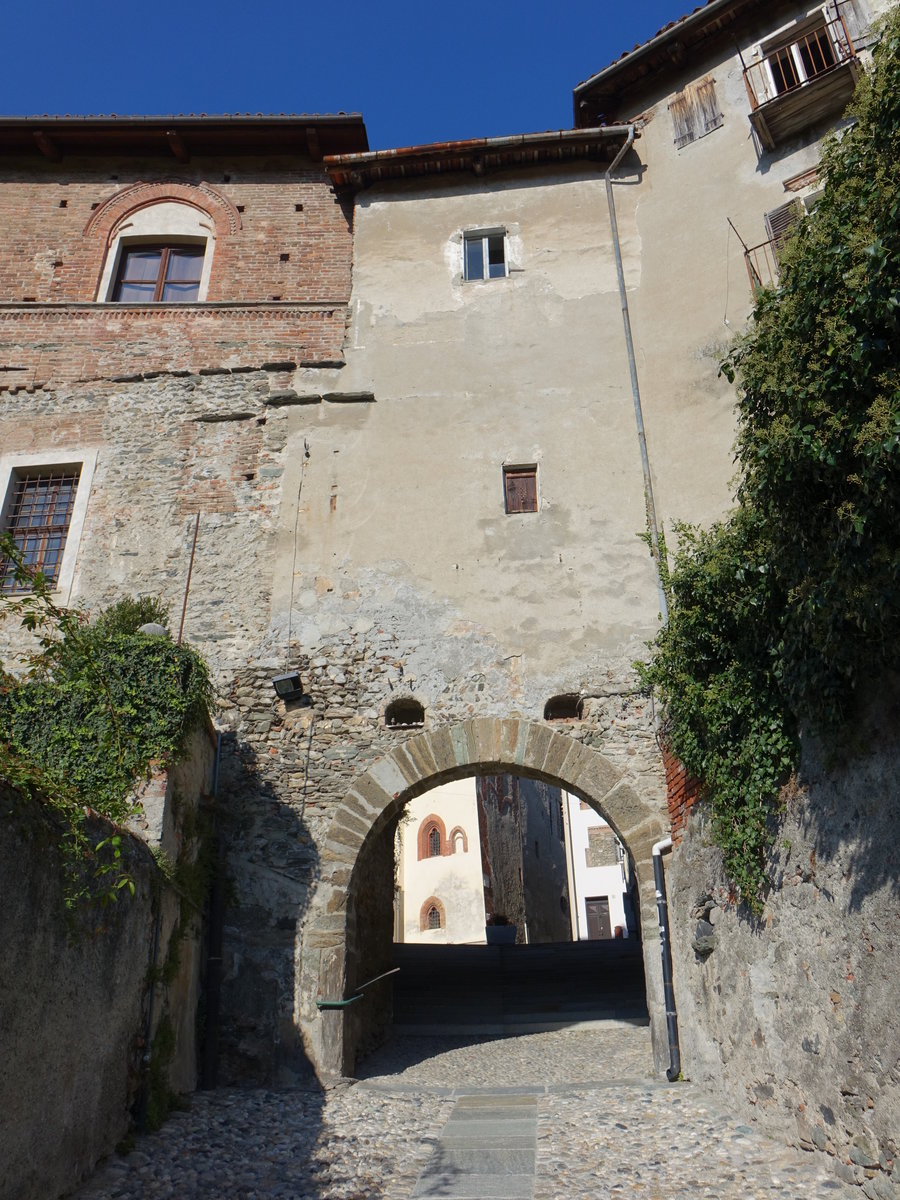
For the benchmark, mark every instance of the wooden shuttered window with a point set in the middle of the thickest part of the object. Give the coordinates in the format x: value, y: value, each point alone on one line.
x: 520, y: 489
x: 695, y: 112
x: 709, y: 114
x: 780, y: 224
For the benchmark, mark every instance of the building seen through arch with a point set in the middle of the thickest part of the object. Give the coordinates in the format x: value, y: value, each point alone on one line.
x: 503, y: 859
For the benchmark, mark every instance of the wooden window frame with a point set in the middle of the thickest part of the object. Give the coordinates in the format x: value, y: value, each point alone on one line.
x: 165, y: 249
x: 17, y: 467
x: 511, y: 475
x: 38, y: 513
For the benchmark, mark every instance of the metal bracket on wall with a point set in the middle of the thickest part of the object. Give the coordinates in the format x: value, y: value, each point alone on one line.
x: 329, y: 1004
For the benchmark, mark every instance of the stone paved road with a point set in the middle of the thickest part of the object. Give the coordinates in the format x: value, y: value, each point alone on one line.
x: 600, y: 1126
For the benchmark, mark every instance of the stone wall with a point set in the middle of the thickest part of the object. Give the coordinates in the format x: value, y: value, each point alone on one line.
x: 795, y: 1017
x: 74, y: 999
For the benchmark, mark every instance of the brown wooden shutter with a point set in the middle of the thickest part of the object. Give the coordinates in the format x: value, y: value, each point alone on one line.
x: 708, y: 112
x: 683, y: 118
x: 520, y: 485
x: 780, y: 223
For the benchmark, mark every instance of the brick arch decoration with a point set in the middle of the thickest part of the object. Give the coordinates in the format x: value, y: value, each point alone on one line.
x: 331, y: 959
x: 431, y: 902
x: 106, y: 218
x: 433, y: 821
x: 104, y: 223
x: 458, y: 832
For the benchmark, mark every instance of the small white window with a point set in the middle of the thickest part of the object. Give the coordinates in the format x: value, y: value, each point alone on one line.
x: 485, y: 254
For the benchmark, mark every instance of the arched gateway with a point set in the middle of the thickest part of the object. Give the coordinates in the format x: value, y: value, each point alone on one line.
x: 347, y: 933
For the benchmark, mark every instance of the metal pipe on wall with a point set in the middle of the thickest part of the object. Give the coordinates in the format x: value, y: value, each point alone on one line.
x: 665, y: 947
x: 632, y: 369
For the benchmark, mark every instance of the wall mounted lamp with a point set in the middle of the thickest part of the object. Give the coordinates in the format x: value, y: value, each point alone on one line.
x: 288, y: 687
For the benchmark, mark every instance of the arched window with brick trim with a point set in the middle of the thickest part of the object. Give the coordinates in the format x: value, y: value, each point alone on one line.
x: 458, y: 841
x: 432, y: 838
x: 432, y: 915
x: 160, y: 253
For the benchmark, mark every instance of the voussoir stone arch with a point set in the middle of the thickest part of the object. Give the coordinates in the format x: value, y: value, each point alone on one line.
x: 480, y: 745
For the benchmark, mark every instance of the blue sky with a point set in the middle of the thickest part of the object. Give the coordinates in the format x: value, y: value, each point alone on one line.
x: 418, y: 72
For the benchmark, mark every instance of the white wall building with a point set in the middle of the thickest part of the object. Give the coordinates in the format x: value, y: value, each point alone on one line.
x: 599, y: 876
x: 440, y: 882
x: 440, y: 892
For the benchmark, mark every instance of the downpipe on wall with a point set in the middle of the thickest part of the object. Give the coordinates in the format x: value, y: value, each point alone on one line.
x: 632, y: 369
x: 665, y: 947
x: 209, y: 1068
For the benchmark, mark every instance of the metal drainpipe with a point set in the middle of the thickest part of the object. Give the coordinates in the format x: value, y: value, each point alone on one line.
x: 665, y: 947
x: 662, y: 907
x: 632, y: 368
x: 210, y: 1057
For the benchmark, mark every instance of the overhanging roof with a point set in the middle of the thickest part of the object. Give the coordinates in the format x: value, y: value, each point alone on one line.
x: 184, y: 135
x: 477, y: 155
x: 666, y: 50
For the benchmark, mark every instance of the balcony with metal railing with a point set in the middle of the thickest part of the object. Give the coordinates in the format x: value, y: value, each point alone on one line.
x: 801, y: 81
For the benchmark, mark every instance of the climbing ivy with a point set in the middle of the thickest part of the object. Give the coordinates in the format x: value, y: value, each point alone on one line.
x: 781, y: 610
x: 98, y: 705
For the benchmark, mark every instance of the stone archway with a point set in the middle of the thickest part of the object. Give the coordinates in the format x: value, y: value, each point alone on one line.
x: 331, y: 958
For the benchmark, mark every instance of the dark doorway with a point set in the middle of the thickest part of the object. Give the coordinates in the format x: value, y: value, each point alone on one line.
x: 597, y: 908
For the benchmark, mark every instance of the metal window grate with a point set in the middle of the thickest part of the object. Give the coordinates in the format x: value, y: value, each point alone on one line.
x: 38, y: 519
x: 433, y: 918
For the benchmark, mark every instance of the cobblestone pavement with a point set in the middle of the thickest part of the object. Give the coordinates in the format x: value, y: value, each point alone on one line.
x: 605, y: 1128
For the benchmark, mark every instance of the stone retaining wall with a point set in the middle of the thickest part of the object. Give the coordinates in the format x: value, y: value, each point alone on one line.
x: 796, y: 1017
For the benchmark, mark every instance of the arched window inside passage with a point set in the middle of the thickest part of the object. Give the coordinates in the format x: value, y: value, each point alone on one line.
x: 433, y: 918
x: 434, y: 843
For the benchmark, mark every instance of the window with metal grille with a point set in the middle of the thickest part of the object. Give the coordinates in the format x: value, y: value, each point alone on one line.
x: 520, y: 489
x: 485, y: 254
x: 38, y: 519
x: 149, y: 273
x: 433, y: 918
x: 434, y: 844
x: 695, y: 112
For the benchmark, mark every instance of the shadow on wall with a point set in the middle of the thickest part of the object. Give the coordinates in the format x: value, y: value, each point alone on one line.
x: 849, y: 808
x: 795, y: 1016
x: 271, y: 868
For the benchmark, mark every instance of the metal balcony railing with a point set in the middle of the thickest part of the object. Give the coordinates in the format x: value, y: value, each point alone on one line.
x: 799, y: 63
x: 762, y: 265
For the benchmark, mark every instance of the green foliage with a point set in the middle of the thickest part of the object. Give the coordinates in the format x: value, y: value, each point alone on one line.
x: 161, y: 1100
x: 819, y: 404
x: 717, y: 673
x: 100, y: 704
x: 778, y: 612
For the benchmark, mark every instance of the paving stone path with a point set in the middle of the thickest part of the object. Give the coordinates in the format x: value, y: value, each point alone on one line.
x: 573, y: 1114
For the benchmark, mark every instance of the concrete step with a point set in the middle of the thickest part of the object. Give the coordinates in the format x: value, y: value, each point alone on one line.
x: 528, y: 988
